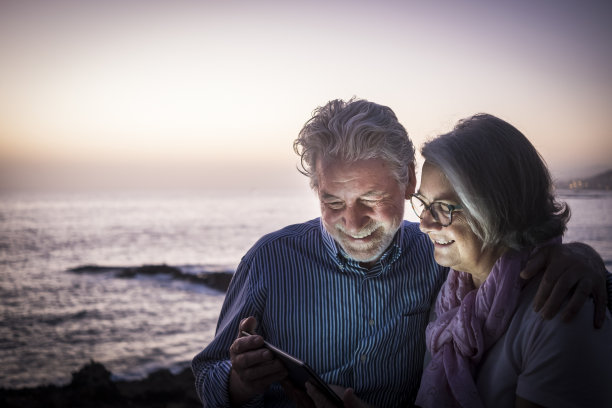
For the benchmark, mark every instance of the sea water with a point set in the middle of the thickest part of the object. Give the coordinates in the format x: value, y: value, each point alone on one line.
x: 54, y: 321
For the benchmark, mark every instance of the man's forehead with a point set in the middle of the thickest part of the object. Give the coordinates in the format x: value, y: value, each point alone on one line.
x: 347, y: 170
x: 365, y: 183
x: 365, y: 178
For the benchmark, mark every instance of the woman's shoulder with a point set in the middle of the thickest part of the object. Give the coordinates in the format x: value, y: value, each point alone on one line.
x: 550, y: 359
x: 530, y: 325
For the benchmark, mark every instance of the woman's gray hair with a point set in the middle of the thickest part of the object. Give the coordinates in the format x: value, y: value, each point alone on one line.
x: 501, y: 181
x: 354, y: 130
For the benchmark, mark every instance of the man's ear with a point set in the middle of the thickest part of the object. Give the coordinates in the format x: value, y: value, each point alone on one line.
x: 411, y: 185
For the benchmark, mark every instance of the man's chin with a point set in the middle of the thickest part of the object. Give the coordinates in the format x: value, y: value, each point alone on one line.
x: 361, y: 255
x: 367, y: 253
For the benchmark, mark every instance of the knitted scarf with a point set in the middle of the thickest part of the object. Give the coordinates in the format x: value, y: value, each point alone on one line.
x: 469, y: 322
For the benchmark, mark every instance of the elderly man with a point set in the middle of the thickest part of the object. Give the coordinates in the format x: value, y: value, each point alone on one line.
x: 349, y: 292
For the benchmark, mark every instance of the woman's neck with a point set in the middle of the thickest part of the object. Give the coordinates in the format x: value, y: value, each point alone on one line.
x: 485, y: 264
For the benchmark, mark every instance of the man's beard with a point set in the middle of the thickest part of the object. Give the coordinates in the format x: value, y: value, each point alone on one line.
x: 381, y: 237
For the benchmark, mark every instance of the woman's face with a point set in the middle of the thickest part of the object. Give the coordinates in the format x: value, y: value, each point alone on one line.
x: 455, y: 246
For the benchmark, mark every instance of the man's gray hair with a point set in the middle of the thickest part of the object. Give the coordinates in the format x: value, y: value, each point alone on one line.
x: 501, y: 180
x: 354, y: 130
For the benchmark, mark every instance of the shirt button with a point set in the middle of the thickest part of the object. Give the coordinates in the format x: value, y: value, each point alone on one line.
x: 363, y: 358
x: 371, y: 322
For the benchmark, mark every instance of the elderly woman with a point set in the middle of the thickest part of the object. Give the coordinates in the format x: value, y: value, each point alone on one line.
x: 486, y: 202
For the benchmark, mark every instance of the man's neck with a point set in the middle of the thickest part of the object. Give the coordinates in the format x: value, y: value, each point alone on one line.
x: 369, y: 264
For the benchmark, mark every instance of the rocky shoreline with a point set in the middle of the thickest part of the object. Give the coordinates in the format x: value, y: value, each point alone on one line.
x: 92, y: 386
x: 216, y: 280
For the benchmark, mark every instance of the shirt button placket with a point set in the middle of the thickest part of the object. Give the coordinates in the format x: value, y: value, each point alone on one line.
x: 366, y: 313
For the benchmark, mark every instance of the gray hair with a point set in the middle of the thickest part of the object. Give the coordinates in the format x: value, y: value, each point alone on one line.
x: 501, y: 180
x: 354, y: 130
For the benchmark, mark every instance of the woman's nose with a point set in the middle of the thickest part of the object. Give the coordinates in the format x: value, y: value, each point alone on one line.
x: 428, y: 222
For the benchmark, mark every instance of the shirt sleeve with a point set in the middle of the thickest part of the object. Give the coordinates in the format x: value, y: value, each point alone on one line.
x: 211, y: 367
x: 566, y: 364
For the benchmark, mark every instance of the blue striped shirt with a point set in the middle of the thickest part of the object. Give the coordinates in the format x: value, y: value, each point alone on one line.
x: 357, y: 328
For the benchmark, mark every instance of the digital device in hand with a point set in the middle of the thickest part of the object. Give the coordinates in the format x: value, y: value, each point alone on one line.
x: 300, y: 373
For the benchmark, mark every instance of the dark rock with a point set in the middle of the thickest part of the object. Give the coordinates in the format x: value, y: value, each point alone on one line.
x: 93, y: 383
x: 216, y: 280
x: 94, y: 269
x: 92, y: 387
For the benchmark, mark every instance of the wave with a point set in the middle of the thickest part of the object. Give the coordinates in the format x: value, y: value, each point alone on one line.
x: 218, y: 280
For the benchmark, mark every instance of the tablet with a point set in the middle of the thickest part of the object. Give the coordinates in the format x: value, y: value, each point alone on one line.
x: 300, y: 373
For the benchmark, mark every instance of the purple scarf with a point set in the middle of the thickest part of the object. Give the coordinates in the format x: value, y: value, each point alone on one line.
x: 469, y: 322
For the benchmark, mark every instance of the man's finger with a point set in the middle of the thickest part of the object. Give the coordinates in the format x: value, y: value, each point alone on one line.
x: 245, y: 344
x: 555, y: 299
x: 543, y: 294
x: 535, y: 264
x: 576, y: 302
x: 251, y: 358
x: 351, y: 401
x: 262, y: 371
x: 317, y: 396
x: 580, y: 295
x: 248, y: 325
x: 301, y: 399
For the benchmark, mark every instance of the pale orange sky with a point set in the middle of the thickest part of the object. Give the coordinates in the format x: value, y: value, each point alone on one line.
x: 219, y: 89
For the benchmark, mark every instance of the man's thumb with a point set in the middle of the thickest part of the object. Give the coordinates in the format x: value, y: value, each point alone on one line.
x: 248, y: 325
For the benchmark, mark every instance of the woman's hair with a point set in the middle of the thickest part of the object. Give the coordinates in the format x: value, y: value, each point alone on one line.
x: 351, y: 131
x: 501, y: 181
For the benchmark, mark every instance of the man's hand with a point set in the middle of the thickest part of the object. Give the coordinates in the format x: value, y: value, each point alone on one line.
x: 568, y: 267
x: 299, y: 397
x: 349, y: 398
x: 254, y: 367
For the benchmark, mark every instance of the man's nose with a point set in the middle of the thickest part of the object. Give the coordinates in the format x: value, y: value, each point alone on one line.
x: 356, y: 217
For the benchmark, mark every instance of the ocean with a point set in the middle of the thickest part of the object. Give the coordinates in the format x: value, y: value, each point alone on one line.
x: 53, y: 321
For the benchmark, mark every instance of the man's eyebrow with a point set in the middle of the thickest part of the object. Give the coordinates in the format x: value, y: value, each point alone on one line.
x: 369, y: 194
x: 327, y: 196
x: 375, y: 193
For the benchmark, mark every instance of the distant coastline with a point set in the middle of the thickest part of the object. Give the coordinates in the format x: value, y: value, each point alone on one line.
x: 601, y: 181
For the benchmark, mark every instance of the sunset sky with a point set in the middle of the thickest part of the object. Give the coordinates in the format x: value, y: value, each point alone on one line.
x: 212, y: 93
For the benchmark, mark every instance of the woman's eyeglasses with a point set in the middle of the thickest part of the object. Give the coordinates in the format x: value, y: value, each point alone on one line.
x: 441, y: 212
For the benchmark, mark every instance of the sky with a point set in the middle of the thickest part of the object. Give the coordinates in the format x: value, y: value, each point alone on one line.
x: 213, y: 93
